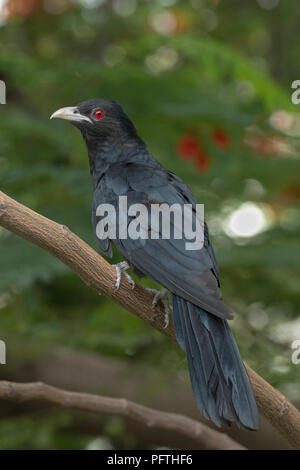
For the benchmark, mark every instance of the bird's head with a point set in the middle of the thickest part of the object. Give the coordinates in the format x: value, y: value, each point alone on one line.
x: 98, y: 119
x: 109, y: 134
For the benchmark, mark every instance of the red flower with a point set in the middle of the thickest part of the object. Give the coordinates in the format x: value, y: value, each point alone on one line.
x: 203, y: 161
x: 221, y: 139
x: 187, y: 147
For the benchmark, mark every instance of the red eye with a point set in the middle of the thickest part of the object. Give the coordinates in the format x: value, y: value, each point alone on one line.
x: 98, y: 114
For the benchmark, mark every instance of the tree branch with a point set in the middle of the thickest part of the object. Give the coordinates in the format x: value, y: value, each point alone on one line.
x: 201, y: 433
x: 58, y: 240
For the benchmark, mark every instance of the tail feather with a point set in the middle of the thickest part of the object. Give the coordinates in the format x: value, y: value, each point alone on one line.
x: 219, y: 379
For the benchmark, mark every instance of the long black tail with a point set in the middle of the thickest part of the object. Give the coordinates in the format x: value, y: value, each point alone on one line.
x: 219, y: 379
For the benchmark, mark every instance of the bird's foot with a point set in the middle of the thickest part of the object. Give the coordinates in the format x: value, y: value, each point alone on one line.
x: 162, y: 296
x: 122, y: 268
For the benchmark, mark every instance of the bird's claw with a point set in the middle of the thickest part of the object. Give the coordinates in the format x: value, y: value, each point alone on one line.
x: 162, y: 296
x: 121, y: 268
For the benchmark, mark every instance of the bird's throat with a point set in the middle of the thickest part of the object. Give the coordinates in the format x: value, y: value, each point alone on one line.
x: 105, y: 152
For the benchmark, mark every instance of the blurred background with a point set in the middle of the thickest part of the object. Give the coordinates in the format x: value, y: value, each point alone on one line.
x: 208, y: 85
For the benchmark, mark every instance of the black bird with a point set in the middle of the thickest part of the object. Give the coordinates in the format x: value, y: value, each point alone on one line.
x: 120, y: 164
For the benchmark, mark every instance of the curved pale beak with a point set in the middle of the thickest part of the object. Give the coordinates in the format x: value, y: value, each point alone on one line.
x: 70, y: 113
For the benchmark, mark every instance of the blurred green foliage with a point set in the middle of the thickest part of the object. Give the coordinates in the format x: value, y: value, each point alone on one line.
x: 178, y: 68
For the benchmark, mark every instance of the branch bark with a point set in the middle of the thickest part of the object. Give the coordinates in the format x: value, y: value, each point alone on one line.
x: 207, y: 437
x: 97, y: 273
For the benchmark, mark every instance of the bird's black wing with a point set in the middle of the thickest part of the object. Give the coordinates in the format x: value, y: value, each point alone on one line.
x: 190, y: 274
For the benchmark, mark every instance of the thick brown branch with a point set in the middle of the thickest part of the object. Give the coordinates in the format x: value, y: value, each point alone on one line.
x: 208, y: 438
x: 97, y: 273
